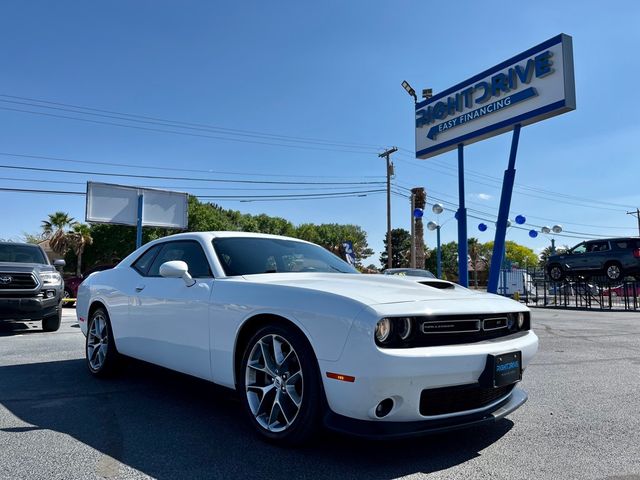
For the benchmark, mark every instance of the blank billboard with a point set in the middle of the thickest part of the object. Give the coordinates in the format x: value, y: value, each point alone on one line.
x: 110, y: 203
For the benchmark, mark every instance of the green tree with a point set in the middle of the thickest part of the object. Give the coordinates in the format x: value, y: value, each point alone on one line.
x: 53, y: 230
x: 400, y: 249
x: 546, y: 253
x: 517, y: 254
x: 332, y: 235
x: 478, y: 254
x: 449, y: 261
x: 34, y: 238
x: 78, y: 239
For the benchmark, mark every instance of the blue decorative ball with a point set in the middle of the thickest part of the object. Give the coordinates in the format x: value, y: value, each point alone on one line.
x: 533, y: 233
x: 520, y: 219
x: 418, y: 212
x: 482, y: 227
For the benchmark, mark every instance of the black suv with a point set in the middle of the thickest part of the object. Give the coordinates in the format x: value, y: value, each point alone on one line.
x: 30, y: 287
x: 614, y: 258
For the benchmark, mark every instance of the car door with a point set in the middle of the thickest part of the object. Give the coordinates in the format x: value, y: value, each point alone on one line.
x: 575, y: 258
x: 598, y: 254
x: 169, y: 320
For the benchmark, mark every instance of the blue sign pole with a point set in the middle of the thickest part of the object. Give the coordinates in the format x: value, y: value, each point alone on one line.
x: 463, y: 266
x: 439, y: 254
x: 139, y: 224
x: 503, y: 214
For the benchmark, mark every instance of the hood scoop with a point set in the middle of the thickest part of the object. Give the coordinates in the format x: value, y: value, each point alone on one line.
x: 442, y: 285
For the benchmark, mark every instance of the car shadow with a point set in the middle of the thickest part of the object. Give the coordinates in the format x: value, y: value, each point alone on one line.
x: 9, y: 328
x: 169, y: 425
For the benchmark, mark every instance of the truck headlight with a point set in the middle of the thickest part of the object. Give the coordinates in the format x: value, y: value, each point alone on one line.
x: 51, y: 278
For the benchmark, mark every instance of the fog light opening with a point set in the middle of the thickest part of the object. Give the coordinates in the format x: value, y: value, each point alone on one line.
x: 384, y: 408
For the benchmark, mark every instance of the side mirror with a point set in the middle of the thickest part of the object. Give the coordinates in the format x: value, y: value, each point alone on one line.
x: 177, y: 269
x: 59, y: 263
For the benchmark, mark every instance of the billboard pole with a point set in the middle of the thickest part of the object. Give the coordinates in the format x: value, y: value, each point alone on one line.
x: 139, y: 223
x: 463, y: 266
x: 503, y: 214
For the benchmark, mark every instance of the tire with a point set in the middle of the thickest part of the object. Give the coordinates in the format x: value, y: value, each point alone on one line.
x: 613, y: 271
x: 66, y: 294
x: 52, y: 323
x: 556, y: 273
x: 100, y: 349
x: 282, y: 395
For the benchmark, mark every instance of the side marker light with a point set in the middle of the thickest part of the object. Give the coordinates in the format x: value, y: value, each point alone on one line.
x: 341, y: 377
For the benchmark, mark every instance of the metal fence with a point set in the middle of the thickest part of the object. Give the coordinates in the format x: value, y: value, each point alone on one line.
x: 534, y: 288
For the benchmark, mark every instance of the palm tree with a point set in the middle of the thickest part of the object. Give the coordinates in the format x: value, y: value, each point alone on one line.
x: 420, y: 201
x: 77, y: 240
x: 57, y: 222
x: 475, y: 251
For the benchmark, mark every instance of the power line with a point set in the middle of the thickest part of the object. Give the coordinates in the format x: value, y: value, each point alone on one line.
x: 181, y: 124
x: 190, y: 187
x: 312, y: 196
x: 174, y: 169
x: 498, y: 183
x: 188, y: 134
x: 191, y: 179
x: 431, y: 191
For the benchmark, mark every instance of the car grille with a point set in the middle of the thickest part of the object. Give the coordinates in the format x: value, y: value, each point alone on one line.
x: 440, y: 401
x: 17, y: 281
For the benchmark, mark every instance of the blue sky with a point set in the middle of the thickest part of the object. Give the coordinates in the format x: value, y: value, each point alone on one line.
x: 325, y: 70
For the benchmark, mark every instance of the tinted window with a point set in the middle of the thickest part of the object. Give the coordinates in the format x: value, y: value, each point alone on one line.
x: 597, y: 246
x: 189, y: 251
x: 22, y: 254
x: 247, y: 256
x: 143, y: 263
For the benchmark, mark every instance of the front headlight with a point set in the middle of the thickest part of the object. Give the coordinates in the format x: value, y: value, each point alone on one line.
x: 394, y: 331
x: 50, y: 278
x: 383, y: 330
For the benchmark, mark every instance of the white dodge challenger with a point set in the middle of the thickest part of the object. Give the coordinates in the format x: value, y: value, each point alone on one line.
x: 306, y: 340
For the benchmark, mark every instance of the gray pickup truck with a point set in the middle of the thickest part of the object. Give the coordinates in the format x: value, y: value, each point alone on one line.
x: 30, y: 287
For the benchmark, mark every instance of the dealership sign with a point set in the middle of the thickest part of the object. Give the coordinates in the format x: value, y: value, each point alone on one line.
x: 532, y: 86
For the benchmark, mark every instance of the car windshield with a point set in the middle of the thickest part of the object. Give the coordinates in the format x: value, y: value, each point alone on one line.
x: 248, y: 256
x: 21, y: 254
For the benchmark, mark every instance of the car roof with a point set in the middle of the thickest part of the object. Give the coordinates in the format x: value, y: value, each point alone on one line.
x: 612, y: 239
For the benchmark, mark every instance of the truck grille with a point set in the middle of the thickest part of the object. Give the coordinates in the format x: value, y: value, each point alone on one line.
x: 439, y: 401
x: 17, y: 281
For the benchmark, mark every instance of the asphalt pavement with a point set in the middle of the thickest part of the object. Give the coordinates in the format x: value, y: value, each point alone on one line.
x: 582, y: 419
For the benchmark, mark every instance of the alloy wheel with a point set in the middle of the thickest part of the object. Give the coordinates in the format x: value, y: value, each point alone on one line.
x: 613, y: 272
x: 274, y: 383
x: 97, y: 342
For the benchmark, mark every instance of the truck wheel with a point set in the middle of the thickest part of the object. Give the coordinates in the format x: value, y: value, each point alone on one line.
x: 613, y: 270
x: 52, y: 323
x: 556, y: 273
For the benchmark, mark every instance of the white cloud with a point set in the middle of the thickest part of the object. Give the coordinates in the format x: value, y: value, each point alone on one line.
x: 484, y: 196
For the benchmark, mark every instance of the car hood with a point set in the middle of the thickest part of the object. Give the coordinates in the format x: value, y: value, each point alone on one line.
x: 25, y: 267
x: 371, y: 289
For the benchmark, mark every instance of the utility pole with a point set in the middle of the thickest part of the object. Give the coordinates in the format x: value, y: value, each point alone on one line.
x: 413, y: 231
x: 386, y: 154
x: 637, y: 215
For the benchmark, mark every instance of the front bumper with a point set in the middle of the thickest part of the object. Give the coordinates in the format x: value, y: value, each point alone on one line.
x: 402, y: 374
x: 28, y: 308
x: 392, y: 430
